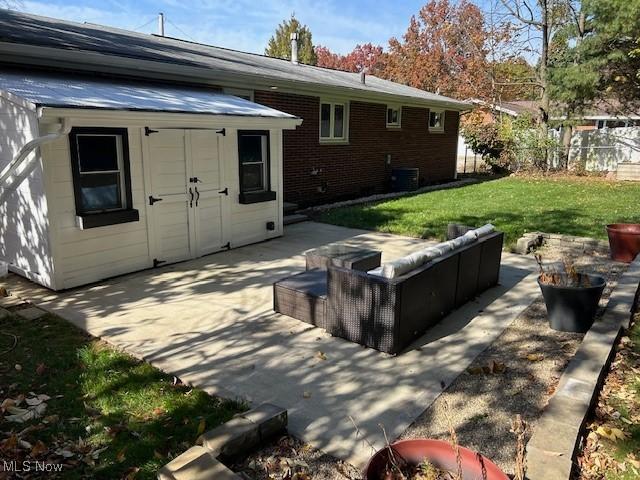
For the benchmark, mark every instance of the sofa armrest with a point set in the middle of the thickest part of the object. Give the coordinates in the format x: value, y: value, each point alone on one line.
x: 362, y: 308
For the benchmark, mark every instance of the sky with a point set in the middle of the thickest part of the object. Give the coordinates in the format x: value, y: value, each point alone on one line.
x: 243, y: 24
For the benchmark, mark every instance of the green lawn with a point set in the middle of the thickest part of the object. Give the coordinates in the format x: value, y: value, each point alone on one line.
x: 109, y: 416
x: 576, y: 206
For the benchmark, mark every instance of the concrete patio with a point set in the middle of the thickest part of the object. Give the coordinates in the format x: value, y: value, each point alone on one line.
x: 210, y: 322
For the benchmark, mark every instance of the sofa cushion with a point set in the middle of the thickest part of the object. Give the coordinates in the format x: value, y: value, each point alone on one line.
x: 405, y: 264
x: 485, y: 230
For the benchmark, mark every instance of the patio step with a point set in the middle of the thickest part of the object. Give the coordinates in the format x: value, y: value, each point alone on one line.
x: 289, y: 207
x: 294, y: 218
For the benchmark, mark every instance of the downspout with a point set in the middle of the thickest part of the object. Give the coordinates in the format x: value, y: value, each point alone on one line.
x: 9, y: 182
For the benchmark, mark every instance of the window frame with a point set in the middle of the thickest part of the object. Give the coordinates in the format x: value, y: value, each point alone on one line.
x: 265, y: 194
x: 439, y: 129
x: 97, y: 218
x: 397, y: 124
x: 332, y: 112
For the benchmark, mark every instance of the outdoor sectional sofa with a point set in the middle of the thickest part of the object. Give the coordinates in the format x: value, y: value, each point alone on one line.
x: 387, y: 308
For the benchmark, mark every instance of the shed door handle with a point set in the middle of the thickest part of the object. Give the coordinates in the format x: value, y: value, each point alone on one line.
x: 191, y: 199
x: 153, y: 200
x: 197, y: 196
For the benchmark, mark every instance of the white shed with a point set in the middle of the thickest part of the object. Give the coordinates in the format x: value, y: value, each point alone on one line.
x: 102, y: 177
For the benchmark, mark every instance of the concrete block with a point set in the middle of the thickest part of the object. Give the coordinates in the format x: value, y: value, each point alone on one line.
x: 271, y: 419
x: 11, y: 301
x: 544, y: 464
x: 196, y: 464
x: 231, y: 438
x: 31, y: 313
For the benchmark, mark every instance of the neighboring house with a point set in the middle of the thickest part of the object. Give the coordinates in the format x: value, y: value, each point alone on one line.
x: 604, y: 138
x: 122, y: 151
x: 603, y: 114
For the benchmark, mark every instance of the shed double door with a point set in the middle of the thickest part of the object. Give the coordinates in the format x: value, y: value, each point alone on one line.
x: 187, y: 199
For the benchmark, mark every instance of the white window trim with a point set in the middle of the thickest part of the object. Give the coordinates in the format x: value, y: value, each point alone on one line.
x: 397, y: 124
x: 345, y: 120
x: 439, y: 129
x: 239, y: 92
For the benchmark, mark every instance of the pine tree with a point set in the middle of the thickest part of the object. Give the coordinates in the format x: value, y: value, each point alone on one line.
x: 280, y: 43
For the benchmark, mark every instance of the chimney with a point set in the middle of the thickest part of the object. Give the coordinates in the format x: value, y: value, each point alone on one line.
x: 363, y: 76
x: 161, y: 24
x: 294, y: 48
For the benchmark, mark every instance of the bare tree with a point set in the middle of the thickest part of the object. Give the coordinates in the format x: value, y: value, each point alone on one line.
x: 538, y: 20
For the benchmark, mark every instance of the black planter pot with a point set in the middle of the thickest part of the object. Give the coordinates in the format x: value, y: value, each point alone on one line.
x: 572, y: 309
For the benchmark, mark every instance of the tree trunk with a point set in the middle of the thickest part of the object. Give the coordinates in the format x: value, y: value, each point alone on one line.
x: 543, y: 117
x: 567, y: 132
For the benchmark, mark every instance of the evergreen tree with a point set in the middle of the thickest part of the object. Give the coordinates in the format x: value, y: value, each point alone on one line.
x: 280, y: 43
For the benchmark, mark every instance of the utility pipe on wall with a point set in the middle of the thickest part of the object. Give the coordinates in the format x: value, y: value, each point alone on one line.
x: 9, y: 182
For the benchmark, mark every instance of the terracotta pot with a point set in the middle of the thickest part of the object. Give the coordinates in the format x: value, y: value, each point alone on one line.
x: 440, y: 454
x: 624, y: 241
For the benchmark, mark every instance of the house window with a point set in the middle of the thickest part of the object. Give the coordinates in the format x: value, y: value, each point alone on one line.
x: 101, y: 178
x: 394, y: 115
x: 253, y: 155
x: 333, y: 121
x: 436, y: 121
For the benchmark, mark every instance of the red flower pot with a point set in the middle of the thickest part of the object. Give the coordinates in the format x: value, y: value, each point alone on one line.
x: 624, y: 241
x: 440, y: 454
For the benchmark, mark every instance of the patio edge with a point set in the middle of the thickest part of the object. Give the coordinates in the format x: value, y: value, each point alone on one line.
x: 552, y: 447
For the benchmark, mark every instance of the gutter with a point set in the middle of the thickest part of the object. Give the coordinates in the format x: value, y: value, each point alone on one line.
x: 9, y: 180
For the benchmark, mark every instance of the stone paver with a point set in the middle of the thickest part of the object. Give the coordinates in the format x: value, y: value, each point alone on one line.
x: 552, y: 446
x: 210, y: 322
x: 31, y: 313
x: 196, y: 463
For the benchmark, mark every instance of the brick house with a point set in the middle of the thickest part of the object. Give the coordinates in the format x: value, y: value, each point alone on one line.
x: 123, y: 151
x: 384, y: 124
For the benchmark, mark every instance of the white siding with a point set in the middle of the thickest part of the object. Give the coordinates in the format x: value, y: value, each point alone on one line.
x: 85, y: 256
x: 247, y: 223
x: 24, y: 228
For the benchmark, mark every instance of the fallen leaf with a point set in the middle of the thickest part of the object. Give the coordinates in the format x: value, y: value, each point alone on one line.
x: 158, y: 411
x: 535, y: 357
x: 65, y: 453
x: 306, y: 394
x: 131, y: 473
x: 18, y: 367
x: 120, y: 457
x: 201, y: 427
x: 38, y: 449
x: 40, y: 369
x: 321, y: 355
x: 474, y: 370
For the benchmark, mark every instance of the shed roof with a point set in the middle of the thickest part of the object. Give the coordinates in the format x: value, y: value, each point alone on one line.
x: 65, y: 91
x: 32, y: 30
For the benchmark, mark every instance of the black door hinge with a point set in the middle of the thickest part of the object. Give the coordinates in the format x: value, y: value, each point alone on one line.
x: 227, y: 246
x: 153, y: 200
x: 222, y: 132
x: 157, y: 262
x: 148, y: 131
x: 225, y: 191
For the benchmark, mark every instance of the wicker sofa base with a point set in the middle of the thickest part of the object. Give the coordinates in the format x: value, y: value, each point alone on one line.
x: 303, y: 297
x: 390, y: 314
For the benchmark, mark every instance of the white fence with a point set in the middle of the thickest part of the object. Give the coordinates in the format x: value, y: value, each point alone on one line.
x: 597, y: 150
x: 603, y: 149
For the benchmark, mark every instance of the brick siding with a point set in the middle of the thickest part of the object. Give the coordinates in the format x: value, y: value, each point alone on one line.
x: 359, y: 168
